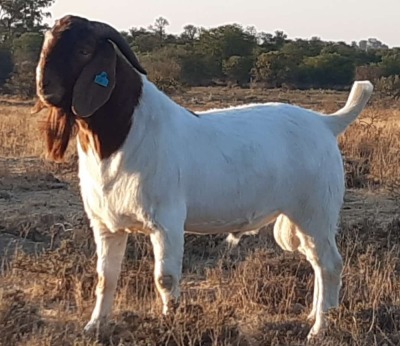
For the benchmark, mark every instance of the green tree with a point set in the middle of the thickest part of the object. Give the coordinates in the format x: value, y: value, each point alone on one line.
x: 198, y: 69
x: 190, y: 34
x: 6, y: 63
x: 20, y: 16
x: 328, y: 70
x: 159, y: 27
x: 163, y: 67
x: 390, y: 63
x: 226, y: 41
x: 237, y: 69
x: 219, y: 44
x: 279, y: 39
x: 26, y: 50
x: 275, y: 68
x: 147, y: 43
x: 21, y: 24
x: 142, y: 40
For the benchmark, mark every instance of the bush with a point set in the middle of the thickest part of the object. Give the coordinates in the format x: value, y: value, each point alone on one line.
x: 328, y: 70
x: 163, y: 69
x: 274, y: 68
x: 389, y: 85
x: 368, y: 72
x: 26, y: 50
x: 22, y: 81
x: 237, y: 69
x: 6, y: 64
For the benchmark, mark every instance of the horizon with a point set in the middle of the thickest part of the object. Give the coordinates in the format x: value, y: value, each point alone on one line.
x: 374, y: 21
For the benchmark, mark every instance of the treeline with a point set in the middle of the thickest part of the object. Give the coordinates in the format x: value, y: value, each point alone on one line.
x: 21, y: 37
x: 228, y: 54
x: 236, y: 55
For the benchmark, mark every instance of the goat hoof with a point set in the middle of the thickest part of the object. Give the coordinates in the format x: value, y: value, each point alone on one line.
x: 316, y: 334
x: 166, y: 282
x: 92, y: 327
x: 311, y: 316
x: 314, y: 339
x: 171, y: 308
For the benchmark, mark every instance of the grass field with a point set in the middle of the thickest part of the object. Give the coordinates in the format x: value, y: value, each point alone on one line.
x: 253, y: 295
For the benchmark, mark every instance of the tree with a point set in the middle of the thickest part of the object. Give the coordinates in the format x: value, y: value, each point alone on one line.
x: 219, y: 44
x: 21, y: 23
x: 199, y: 69
x: 269, y: 42
x: 142, y: 40
x: 25, y: 56
x: 147, y: 43
x: 328, y: 70
x: 265, y: 41
x: 226, y: 41
x: 159, y: 27
x: 190, y: 33
x: 6, y: 64
x: 237, y: 69
x: 390, y: 63
x: 279, y: 39
x: 19, y: 16
x: 275, y: 68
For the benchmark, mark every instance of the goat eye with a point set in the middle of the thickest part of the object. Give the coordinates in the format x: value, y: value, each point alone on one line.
x: 84, y: 52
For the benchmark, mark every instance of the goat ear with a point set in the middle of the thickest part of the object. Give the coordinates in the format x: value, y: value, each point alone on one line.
x: 96, y: 82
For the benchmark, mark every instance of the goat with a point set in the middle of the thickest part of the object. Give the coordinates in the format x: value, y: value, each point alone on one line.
x: 147, y: 164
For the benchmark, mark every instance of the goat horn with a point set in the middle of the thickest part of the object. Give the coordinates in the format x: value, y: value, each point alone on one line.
x: 106, y: 31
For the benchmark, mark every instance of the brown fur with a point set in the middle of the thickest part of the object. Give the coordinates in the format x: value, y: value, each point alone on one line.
x: 59, y: 129
x: 39, y: 105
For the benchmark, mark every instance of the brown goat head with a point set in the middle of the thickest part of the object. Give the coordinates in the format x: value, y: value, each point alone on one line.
x: 77, y: 75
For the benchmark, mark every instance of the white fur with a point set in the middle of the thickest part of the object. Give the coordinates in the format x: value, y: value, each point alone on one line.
x: 48, y: 37
x: 229, y: 170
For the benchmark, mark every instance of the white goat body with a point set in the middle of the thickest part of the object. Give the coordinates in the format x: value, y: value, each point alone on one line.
x: 229, y: 170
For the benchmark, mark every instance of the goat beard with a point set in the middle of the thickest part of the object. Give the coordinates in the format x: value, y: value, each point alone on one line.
x: 58, y: 128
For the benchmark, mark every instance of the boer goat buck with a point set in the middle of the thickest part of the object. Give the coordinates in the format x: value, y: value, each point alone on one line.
x: 147, y: 164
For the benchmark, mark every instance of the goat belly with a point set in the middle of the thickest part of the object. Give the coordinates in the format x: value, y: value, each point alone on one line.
x: 252, y: 221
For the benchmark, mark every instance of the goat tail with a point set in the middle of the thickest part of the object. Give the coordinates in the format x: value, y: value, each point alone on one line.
x: 358, y: 98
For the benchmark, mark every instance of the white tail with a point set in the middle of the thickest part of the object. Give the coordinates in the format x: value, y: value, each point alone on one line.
x: 358, y: 98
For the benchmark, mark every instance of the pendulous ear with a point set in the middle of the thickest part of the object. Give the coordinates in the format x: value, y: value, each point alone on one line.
x: 96, y: 82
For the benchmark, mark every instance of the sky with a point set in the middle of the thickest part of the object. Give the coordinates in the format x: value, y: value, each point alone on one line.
x: 331, y: 20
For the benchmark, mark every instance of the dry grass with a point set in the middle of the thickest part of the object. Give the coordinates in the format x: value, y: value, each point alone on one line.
x: 254, y: 295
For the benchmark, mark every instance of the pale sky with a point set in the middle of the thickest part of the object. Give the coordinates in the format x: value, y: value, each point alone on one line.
x: 333, y: 20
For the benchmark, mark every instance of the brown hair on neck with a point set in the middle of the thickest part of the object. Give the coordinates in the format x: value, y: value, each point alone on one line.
x: 59, y: 128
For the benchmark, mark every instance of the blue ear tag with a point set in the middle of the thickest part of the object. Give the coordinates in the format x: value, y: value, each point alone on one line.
x: 102, y: 79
